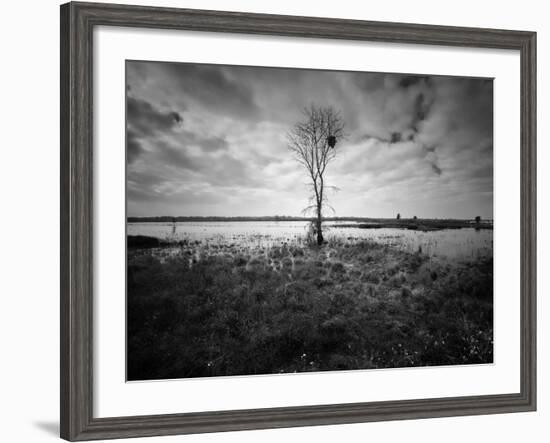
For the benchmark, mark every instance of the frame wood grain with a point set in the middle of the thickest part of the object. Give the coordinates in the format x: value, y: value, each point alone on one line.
x: 77, y: 24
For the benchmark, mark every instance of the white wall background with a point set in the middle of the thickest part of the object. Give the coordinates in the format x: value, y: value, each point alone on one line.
x: 29, y: 226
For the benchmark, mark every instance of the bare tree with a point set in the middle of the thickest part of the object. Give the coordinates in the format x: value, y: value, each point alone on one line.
x: 313, y: 144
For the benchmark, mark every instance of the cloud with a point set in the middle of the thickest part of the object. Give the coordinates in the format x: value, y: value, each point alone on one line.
x: 436, y: 168
x: 414, y: 142
x: 407, y: 81
x: 145, y: 119
x: 133, y: 146
x: 211, y: 88
x: 206, y: 143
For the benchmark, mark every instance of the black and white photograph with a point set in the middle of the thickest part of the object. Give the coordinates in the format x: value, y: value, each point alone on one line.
x: 293, y: 220
x: 241, y: 222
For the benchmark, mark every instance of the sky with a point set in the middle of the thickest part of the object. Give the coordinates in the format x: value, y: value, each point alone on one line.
x: 211, y: 140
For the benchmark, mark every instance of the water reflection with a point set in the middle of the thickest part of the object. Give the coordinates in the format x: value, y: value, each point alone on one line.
x: 452, y: 243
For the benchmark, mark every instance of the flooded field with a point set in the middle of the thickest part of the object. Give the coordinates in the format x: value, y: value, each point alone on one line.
x: 228, y: 298
x: 466, y: 243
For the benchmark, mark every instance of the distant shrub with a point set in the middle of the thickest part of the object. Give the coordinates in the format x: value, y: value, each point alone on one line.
x: 142, y: 241
x: 240, y: 261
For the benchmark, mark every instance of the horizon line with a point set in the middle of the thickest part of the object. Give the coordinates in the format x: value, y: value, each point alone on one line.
x: 347, y: 217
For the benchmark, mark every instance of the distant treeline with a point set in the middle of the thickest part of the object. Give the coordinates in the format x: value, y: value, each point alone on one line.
x: 393, y: 221
x: 170, y: 219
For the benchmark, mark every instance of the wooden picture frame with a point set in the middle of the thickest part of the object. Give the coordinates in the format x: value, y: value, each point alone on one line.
x: 77, y: 23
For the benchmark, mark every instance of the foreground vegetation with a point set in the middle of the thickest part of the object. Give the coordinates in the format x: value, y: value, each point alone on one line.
x: 293, y: 309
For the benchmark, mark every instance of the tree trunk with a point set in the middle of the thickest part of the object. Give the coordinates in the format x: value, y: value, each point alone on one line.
x: 319, y: 228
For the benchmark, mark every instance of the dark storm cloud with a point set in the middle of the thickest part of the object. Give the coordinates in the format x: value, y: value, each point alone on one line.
x: 209, y: 86
x: 207, y: 139
x: 409, y: 80
x: 146, y: 119
x: 396, y: 137
x: 421, y: 109
x: 149, y: 125
x: 212, y: 85
x: 436, y: 168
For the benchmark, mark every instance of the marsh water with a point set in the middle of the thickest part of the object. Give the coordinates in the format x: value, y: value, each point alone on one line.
x: 462, y: 243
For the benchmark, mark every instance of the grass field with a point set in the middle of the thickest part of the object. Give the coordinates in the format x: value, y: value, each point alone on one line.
x: 293, y: 308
